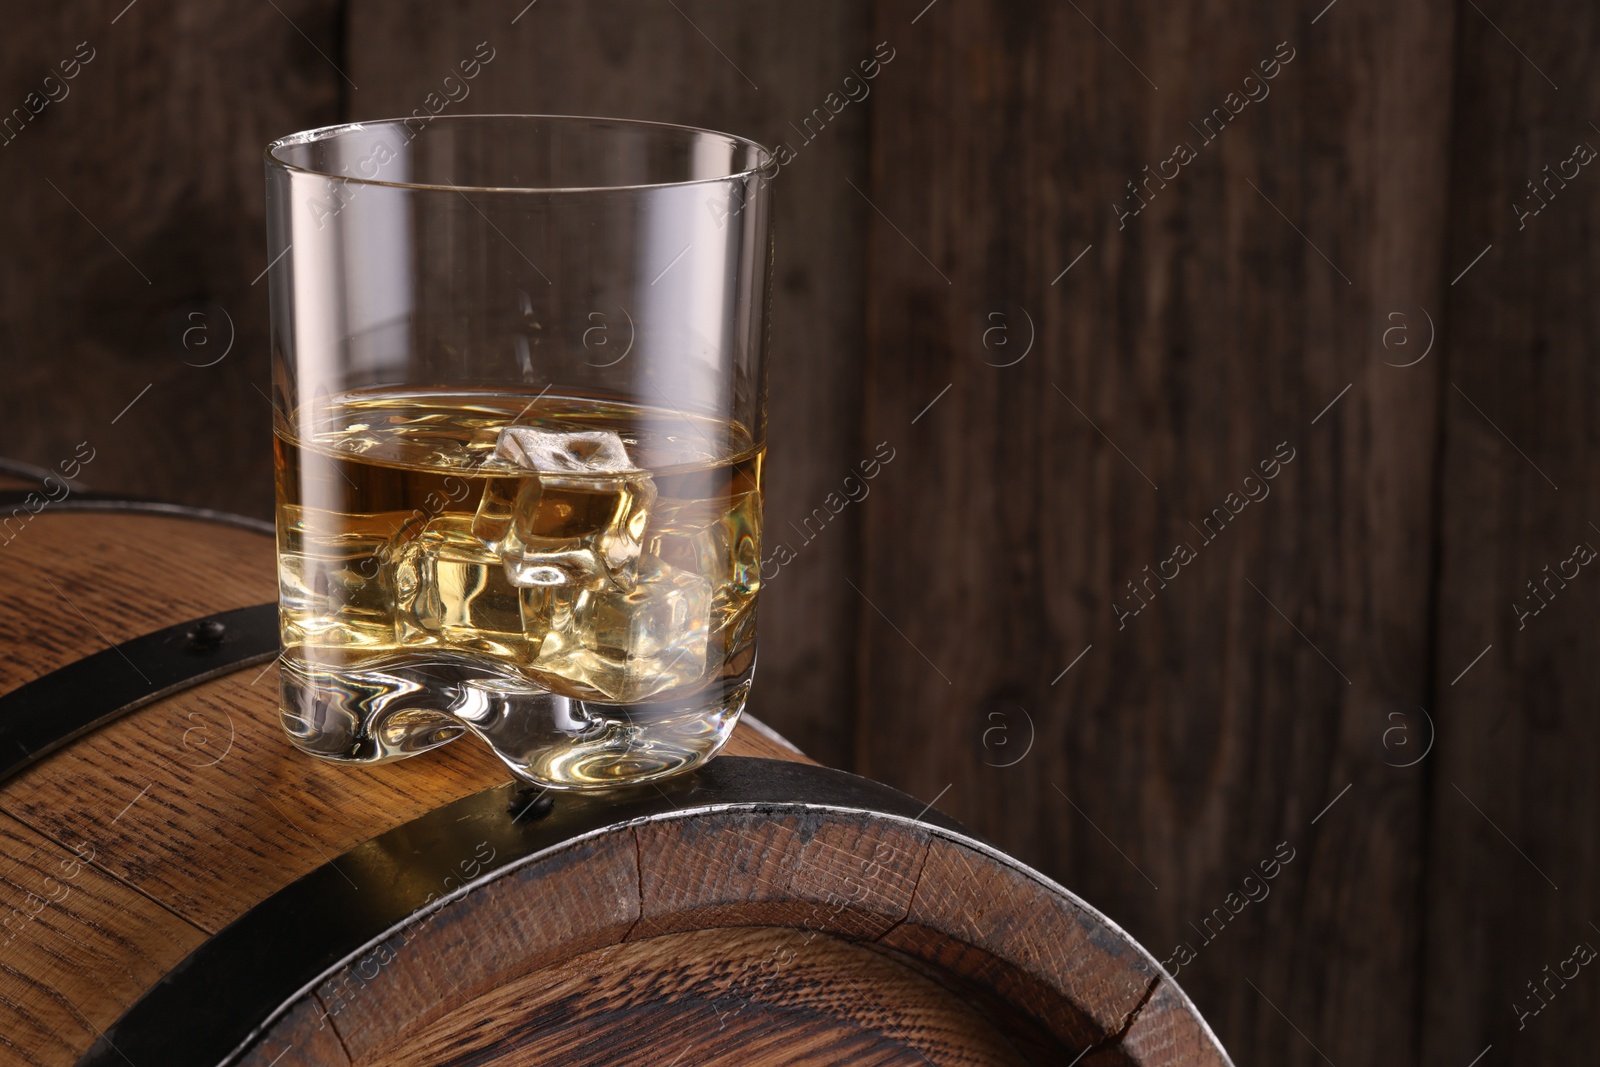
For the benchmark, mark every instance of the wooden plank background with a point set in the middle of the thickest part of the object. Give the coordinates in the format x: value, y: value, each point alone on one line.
x: 1513, y: 876
x: 1332, y: 682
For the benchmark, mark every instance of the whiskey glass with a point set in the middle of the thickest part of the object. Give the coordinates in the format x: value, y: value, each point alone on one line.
x: 519, y: 393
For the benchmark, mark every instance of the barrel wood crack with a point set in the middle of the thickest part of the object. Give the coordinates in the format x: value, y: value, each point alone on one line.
x: 1165, y: 1031
x: 303, y: 1037
x: 1002, y: 925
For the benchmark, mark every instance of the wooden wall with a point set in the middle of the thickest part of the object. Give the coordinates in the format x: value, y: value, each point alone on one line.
x: 1331, y: 670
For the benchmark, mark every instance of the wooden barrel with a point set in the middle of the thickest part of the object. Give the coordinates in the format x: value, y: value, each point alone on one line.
x: 181, y: 887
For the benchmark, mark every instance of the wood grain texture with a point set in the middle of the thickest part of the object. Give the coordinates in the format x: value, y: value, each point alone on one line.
x: 1513, y: 873
x: 584, y: 898
x: 591, y: 952
x: 209, y: 836
x: 720, y: 997
x: 751, y: 69
x: 809, y: 870
x: 257, y: 814
x: 196, y: 807
x: 1009, y: 933
x: 76, y: 946
x: 1165, y: 1032
x: 74, y: 582
x: 131, y: 202
x: 197, y: 810
x: 1190, y: 342
x: 761, y: 739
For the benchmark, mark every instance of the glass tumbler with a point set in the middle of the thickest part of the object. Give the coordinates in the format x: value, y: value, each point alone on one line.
x: 519, y: 393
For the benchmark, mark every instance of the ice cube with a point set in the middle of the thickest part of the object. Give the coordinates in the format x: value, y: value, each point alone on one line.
x: 550, y: 452
x: 629, y: 644
x: 718, y: 539
x: 577, y: 517
x: 453, y: 590
x: 495, y: 510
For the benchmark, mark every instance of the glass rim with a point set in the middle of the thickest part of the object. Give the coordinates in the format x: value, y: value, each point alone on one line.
x: 765, y: 156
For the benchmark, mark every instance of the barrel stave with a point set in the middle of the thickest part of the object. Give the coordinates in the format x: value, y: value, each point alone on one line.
x: 209, y: 829
x: 721, y: 998
x: 808, y: 869
x: 77, y: 946
x: 78, y: 581
x: 580, y: 898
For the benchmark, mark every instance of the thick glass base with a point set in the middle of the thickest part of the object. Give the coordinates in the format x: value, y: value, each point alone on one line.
x: 383, y: 711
